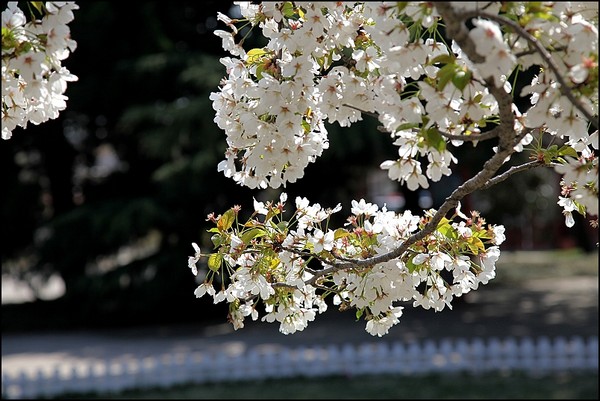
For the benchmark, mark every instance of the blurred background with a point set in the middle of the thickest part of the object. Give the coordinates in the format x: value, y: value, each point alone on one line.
x: 101, y: 205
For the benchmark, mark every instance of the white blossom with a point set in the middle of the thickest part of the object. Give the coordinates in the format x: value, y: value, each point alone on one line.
x: 33, y: 80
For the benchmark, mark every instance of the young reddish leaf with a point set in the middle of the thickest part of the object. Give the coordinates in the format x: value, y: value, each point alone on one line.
x: 226, y: 220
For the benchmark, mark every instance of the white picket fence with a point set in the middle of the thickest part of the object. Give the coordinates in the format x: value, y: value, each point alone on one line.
x: 542, y: 355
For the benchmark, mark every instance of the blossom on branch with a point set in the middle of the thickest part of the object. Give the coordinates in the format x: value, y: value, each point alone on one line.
x: 33, y: 78
x: 432, y: 92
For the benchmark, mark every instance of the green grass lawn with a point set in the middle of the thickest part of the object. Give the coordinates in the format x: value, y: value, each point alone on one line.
x: 433, y: 386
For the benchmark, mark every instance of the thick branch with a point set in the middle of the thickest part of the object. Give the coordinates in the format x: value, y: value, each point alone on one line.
x: 565, y: 89
x: 476, y: 182
x: 458, y: 31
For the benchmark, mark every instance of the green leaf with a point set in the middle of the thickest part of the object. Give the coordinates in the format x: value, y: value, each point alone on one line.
x: 461, y: 79
x: 443, y: 59
x: 282, y: 226
x: 406, y: 126
x: 340, y: 233
x: 273, y: 211
x: 580, y: 208
x: 482, y: 233
x: 217, y: 240
x: 445, y: 75
x: 359, y: 313
x: 567, y: 151
x: 434, y: 139
x: 443, y: 222
x: 259, y: 71
x: 255, y: 56
x: 447, y: 231
x: 39, y: 6
x: 214, y: 261
x: 326, y: 61
x: 306, y: 126
x: 401, y: 6
x: 226, y: 220
x: 475, y: 245
x: 288, y: 9
x: 410, y: 265
x: 251, y: 234
x: 8, y: 39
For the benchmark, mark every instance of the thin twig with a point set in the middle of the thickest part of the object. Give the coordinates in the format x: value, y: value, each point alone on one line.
x: 533, y: 51
x: 470, y: 138
x: 511, y: 171
x: 368, y: 113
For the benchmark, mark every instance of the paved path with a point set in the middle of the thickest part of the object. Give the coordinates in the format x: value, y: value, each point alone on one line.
x: 542, y: 307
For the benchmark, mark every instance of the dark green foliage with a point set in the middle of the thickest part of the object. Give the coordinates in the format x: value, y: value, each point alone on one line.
x: 145, y: 74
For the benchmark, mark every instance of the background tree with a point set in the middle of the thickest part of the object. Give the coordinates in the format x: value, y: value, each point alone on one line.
x: 108, y: 193
x: 111, y: 193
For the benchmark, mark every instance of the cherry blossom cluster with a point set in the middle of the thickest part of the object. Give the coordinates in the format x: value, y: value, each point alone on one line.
x: 333, y: 62
x: 291, y: 263
x: 432, y: 91
x: 579, y: 187
x: 33, y: 78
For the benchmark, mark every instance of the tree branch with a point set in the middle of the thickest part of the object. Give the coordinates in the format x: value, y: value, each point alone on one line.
x: 453, y: 137
x: 506, y: 146
x: 507, y: 140
x: 533, y: 51
x: 368, y: 113
x: 470, y: 138
x: 511, y: 171
x: 466, y: 138
x: 565, y: 89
